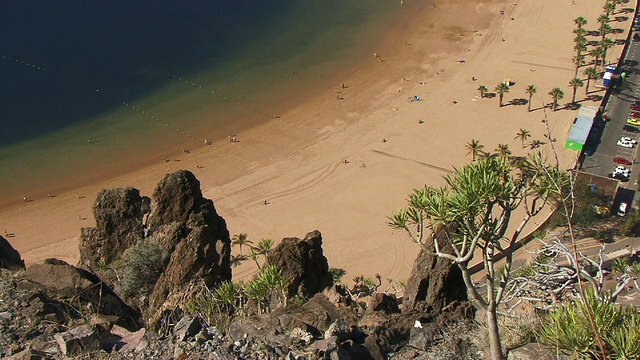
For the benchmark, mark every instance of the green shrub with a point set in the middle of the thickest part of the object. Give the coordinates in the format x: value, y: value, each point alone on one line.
x: 143, y: 264
x: 568, y: 329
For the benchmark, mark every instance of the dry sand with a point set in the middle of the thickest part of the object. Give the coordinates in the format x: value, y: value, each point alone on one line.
x: 297, y: 162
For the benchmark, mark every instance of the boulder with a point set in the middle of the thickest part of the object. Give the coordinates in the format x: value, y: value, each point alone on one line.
x: 383, y: 302
x: 304, y: 266
x: 118, y: 217
x: 9, y: 257
x: 79, y: 340
x: 187, y: 327
x: 434, y: 283
x: 74, y: 285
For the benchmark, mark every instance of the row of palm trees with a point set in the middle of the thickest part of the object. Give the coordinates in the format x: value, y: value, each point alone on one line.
x: 556, y: 93
x: 475, y: 149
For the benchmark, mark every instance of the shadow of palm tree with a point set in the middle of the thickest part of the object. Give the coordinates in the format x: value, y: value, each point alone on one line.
x: 238, y: 259
x: 519, y: 101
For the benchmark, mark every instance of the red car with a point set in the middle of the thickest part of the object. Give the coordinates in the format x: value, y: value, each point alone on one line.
x: 621, y: 160
x: 635, y: 107
x: 635, y: 115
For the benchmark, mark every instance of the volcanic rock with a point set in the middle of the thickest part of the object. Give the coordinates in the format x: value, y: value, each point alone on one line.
x: 304, y: 266
x: 9, y: 257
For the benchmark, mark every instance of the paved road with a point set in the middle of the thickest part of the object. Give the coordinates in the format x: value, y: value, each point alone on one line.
x: 601, y: 162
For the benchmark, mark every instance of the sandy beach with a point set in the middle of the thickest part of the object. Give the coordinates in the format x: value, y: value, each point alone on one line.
x: 343, y: 160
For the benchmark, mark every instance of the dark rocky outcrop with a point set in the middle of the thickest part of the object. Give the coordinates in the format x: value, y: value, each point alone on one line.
x: 77, y: 286
x: 434, y: 284
x: 9, y: 257
x: 194, y: 233
x: 304, y: 266
x: 118, y: 217
x: 179, y: 219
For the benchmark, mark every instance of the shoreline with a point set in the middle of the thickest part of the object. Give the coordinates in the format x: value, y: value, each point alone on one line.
x: 296, y: 162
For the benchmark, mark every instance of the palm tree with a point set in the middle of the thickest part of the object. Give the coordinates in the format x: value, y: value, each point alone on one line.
x: 603, y: 19
x: 580, y: 31
x: 590, y: 73
x: 579, y: 48
x: 597, y: 54
x: 557, y: 94
x: 483, y: 90
x: 240, y: 240
x: 605, y: 29
x: 609, y: 7
x: 264, y: 246
x: 503, y: 150
x: 475, y: 149
x: 501, y: 89
x: 523, y: 135
x: 531, y: 90
x: 605, y: 44
x: 580, y: 40
x: 580, y: 22
x: 575, y: 83
x: 579, y: 61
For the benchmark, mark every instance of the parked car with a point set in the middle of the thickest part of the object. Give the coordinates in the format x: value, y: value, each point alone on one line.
x: 635, y: 114
x: 635, y: 107
x: 618, y: 176
x: 633, y: 121
x: 621, y: 160
x: 631, y: 128
x: 636, y: 37
x: 628, y: 139
x: 626, y: 144
x: 622, y: 210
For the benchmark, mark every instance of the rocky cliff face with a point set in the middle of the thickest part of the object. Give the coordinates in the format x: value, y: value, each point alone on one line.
x: 183, y: 222
x: 305, y: 268
x: 9, y: 257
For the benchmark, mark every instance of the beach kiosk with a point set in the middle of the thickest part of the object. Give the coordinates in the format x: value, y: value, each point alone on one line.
x: 581, y: 128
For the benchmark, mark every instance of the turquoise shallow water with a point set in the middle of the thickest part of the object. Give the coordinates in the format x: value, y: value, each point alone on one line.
x: 192, y: 71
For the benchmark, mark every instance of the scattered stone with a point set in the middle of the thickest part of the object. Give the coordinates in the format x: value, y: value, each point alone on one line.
x: 9, y: 257
x: 383, y: 302
x: 301, y: 335
x: 187, y: 327
x: 78, y: 340
x: 339, y: 329
x: 6, y: 316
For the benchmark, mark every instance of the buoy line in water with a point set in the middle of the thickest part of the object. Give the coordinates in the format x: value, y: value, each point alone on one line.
x: 159, y: 120
x: 26, y: 63
x: 222, y: 96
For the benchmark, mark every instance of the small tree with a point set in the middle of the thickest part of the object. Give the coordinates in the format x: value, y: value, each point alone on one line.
x: 501, y: 89
x: 575, y: 83
x: 580, y: 22
x: 531, y: 90
x: 579, y: 60
x: 590, y: 73
x: 472, y: 213
x: 475, y: 149
x: 605, y: 45
x: 483, y: 90
x: 523, y: 135
x: 609, y: 7
x: 556, y: 94
x: 241, y: 240
x: 503, y: 150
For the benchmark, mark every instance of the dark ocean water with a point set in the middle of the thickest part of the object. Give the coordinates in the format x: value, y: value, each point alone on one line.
x: 63, y: 62
x: 93, y: 89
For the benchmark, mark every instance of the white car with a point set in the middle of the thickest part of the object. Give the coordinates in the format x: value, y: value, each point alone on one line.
x: 626, y: 144
x: 622, y: 171
x: 628, y: 139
